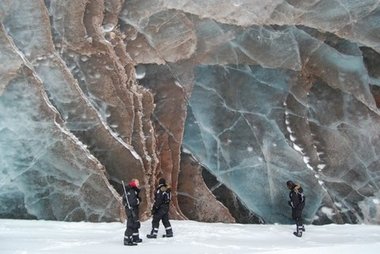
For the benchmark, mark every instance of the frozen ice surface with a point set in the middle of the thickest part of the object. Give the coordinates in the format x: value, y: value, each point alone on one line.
x: 38, y: 237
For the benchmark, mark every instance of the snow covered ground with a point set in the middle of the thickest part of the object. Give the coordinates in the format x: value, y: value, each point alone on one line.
x: 26, y: 236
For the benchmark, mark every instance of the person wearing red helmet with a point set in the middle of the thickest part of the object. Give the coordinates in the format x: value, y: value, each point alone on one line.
x: 131, y: 202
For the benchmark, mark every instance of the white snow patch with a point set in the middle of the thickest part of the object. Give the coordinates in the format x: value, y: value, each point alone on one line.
x: 178, y: 84
x: 297, y: 148
x: 328, y: 211
x: 108, y: 27
x: 84, y: 58
x: 140, y: 71
x: 185, y: 150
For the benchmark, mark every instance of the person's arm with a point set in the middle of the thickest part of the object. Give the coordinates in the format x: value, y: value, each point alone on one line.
x: 133, y: 199
x: 166, y: 196
x: 294, y: 199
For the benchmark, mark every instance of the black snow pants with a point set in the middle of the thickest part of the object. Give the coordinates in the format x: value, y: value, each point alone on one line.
x: 162, y: 214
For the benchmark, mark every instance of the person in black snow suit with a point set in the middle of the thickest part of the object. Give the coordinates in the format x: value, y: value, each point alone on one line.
x: 297, y: 202
x: 160, y: 210
x: 131, y: 201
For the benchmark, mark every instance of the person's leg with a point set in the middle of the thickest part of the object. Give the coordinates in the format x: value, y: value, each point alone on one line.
x: 128, y: 240
x: 167, y: 225
x: 298, y: 227
x: 135, y: 235
x: 301, y: 225
x: 155, y: 225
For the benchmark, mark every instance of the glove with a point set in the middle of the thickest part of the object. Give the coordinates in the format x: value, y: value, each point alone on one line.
x: 154, y: 210
x: 290, y: 204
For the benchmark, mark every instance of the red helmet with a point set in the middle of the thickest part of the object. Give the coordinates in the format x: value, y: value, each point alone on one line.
x: 134, y: 183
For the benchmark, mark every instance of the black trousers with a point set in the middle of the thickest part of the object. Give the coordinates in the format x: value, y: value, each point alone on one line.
x: 162, y: 214
x: 297, y: 216
x: 132, y: 230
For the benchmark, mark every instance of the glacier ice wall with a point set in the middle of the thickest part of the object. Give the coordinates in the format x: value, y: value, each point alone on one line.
x: 93, y: 92
x: 276, y: 90
x: 46, y: 172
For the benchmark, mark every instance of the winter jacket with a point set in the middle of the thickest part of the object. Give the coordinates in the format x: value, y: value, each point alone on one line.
x: 131, y: 202
x: 297, y: 201
x: 162, y: 198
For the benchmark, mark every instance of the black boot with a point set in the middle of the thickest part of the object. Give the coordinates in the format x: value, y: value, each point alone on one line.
x: 299, y: 234
x: 128, y: 242
x: 136, y: 238
x: 299, y: 228
x: 153, y: 233
x: 169, y: 232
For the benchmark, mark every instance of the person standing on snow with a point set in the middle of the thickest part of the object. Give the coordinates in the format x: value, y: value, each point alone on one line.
x: 297, y: 202
x: 131, y: 201
x: 160, y: 210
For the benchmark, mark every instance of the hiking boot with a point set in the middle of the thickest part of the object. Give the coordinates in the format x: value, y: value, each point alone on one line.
x: 167, y: 235
x: 151, y: 236
x: 299, y: 234
x: 129, y: 243
x: 139, y: 240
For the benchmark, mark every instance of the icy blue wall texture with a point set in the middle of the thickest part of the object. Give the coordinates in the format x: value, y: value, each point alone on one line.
x: 274, y: 90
